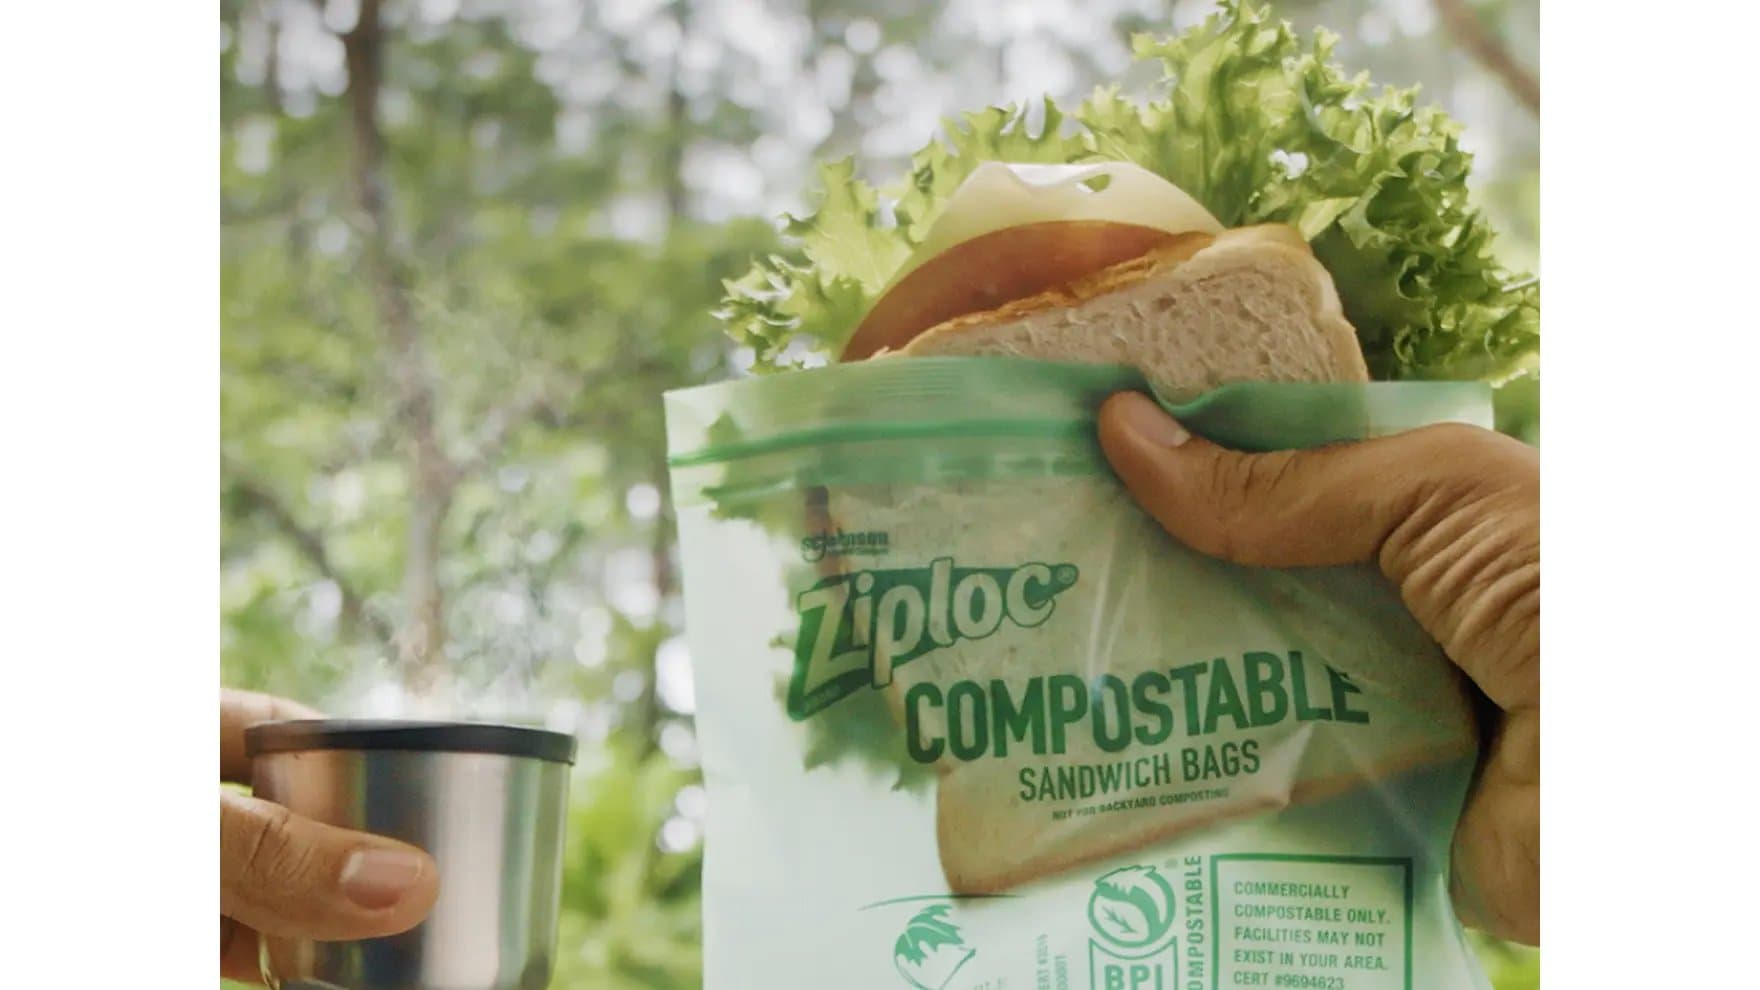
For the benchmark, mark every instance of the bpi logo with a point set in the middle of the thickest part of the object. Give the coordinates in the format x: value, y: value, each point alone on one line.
x: 1131, y: 911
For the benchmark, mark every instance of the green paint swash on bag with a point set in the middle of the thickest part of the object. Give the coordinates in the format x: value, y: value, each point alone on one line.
x: 974, y: 721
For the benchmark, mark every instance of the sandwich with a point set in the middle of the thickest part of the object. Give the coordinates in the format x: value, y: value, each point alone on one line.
x: 1188, y: 303
x: 1270, y: 221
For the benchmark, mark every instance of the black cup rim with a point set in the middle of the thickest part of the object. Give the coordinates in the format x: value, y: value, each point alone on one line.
x: 307, y: 735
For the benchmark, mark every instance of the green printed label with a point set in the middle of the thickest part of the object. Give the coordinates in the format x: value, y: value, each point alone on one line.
x: 1312, y: 922
x: 857, y: 628
x: 1272, y: 920
x: 1049, y: 715
x: 1132, y: 911
x: 931, y: 950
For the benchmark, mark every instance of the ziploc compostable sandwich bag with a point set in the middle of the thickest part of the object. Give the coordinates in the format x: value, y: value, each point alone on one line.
x: 971, y: 720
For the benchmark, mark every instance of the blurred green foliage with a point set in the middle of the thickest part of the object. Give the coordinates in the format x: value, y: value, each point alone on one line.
x: 463, y: 255
x: 1511, y: 967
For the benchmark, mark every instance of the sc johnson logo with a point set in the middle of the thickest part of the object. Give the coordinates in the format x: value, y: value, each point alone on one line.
x: 1131, y: 912
x: 837, y: 543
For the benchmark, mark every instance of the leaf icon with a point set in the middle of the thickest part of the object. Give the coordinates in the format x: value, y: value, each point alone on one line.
x: 1112, y: 914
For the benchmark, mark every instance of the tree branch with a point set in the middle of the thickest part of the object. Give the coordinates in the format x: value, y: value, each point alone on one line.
x: 539, y: 404
x: 274, y: 209
x: 257, y: 498
x: 499, y: 424
x: 1479, y: 41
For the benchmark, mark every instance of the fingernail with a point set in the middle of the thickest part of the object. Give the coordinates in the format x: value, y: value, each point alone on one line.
x: 379, y: 878
x: 1146, y: 419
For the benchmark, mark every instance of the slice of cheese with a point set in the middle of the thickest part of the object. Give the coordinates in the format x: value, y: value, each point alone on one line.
x: 999, y: 195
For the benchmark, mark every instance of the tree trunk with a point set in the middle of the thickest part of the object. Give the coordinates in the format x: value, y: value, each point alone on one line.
x: 665, y: 587
x: 272, y: 71
x: 665, y: 577
x: 421, y: 640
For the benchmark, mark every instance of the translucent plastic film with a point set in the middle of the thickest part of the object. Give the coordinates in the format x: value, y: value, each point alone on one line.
x: 970, y: 719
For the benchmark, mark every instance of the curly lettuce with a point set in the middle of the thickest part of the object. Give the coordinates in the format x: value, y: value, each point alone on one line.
x: 1256, y: 123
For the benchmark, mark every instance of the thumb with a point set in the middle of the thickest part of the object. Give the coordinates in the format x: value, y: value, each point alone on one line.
x: 284, y: 875
x: 1450, y: 514
x: 1298, y: 508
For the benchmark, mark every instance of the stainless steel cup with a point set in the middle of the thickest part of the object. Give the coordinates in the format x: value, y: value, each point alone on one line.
x: 488, y: 803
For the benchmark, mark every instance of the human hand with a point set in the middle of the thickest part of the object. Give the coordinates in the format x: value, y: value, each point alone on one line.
x: 288, y: 876
x: 1451, y: 514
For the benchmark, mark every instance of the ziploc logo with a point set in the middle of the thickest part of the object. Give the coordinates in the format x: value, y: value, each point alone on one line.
x: 856, y: 629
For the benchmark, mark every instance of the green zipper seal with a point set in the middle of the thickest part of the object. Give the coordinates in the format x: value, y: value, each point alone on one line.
x: 1050, y: 429
x: 974, y: 398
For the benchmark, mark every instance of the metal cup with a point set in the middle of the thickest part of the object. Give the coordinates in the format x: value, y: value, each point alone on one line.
x: 487, y: 802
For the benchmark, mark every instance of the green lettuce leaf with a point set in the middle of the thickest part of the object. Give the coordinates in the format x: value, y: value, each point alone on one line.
x: 1257, y: 124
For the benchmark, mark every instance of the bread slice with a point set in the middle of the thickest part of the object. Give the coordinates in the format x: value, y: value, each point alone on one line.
x: 1251, y: 304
